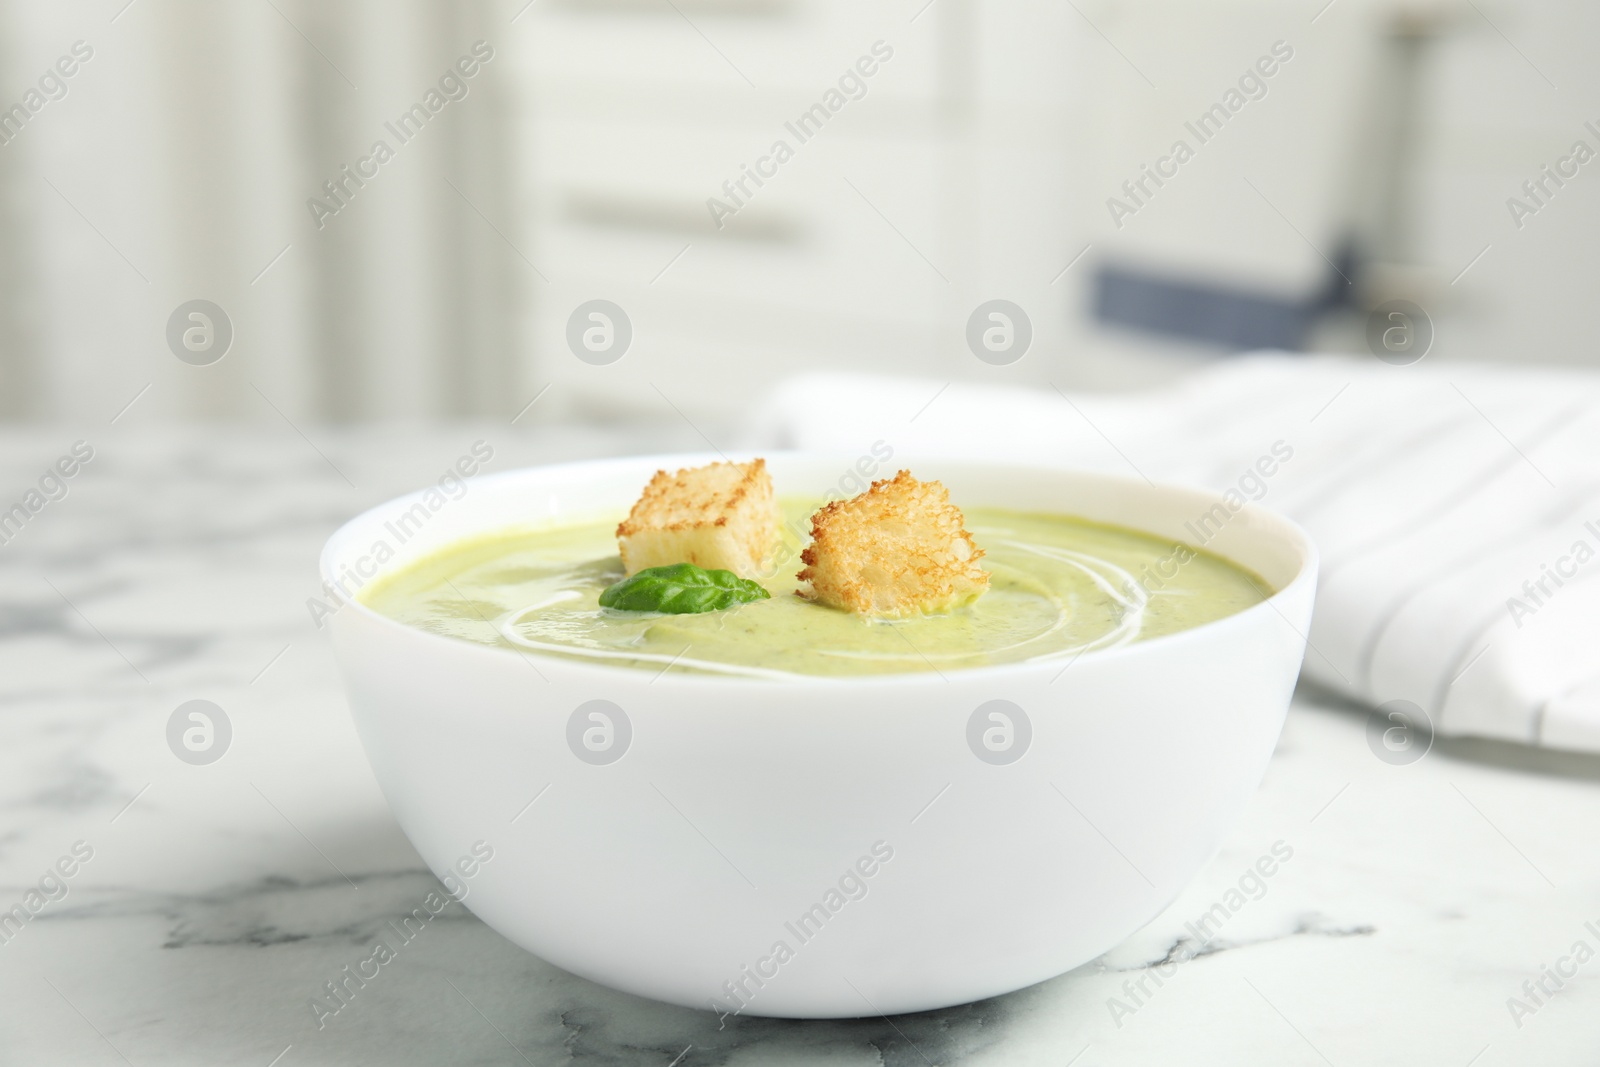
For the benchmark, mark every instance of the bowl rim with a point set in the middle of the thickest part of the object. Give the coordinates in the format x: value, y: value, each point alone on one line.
x: 1282, y: 526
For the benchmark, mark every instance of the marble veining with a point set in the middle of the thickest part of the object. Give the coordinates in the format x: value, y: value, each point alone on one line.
x: 221, y: 899
x: 1191, y: 948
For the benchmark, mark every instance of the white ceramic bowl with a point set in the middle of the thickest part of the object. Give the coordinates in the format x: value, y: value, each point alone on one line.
x: 677, y: 870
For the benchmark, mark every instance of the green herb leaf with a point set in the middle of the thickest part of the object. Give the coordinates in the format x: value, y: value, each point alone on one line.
x: 681, y: 589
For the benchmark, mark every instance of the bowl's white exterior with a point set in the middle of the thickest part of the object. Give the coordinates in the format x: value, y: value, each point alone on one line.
x: 739, y: 804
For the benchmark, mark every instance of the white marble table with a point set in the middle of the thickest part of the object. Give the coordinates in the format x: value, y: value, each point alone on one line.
x: 219, y: 899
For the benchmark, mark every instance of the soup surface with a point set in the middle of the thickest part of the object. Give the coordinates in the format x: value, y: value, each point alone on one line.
x: 1059, y: 586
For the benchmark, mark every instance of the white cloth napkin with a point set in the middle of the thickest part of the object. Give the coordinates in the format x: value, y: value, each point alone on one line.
x: 1457, y: 509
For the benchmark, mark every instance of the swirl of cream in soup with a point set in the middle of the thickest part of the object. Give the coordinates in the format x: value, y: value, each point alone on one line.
x: 1060, y: 586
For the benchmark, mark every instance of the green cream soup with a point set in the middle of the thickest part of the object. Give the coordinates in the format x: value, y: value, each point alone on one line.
x: 1059, y: 586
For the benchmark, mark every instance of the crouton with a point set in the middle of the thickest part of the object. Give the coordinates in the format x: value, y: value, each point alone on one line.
x: 723, y: 516
x: 898, y: 549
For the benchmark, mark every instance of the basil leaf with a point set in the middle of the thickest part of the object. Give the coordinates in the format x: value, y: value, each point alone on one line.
x: 681, y: 589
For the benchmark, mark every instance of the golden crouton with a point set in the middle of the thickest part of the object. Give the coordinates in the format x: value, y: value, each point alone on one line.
x: 898, y: 549
x: 720, y: 517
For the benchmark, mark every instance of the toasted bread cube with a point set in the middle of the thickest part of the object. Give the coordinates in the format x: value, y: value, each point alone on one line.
x: 723, y: 516
x: 898, y: 549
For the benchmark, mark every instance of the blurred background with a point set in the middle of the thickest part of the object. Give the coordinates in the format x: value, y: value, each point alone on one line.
x: 1337, y: 155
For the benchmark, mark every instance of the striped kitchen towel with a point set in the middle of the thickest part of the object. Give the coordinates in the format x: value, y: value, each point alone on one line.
x: 1456, y: 508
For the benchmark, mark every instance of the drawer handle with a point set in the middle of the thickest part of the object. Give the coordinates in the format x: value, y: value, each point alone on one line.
x: 678, y: 218
x: 712, y: 8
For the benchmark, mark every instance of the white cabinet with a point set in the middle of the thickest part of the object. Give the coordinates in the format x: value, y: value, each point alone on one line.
x: 938, y: 180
